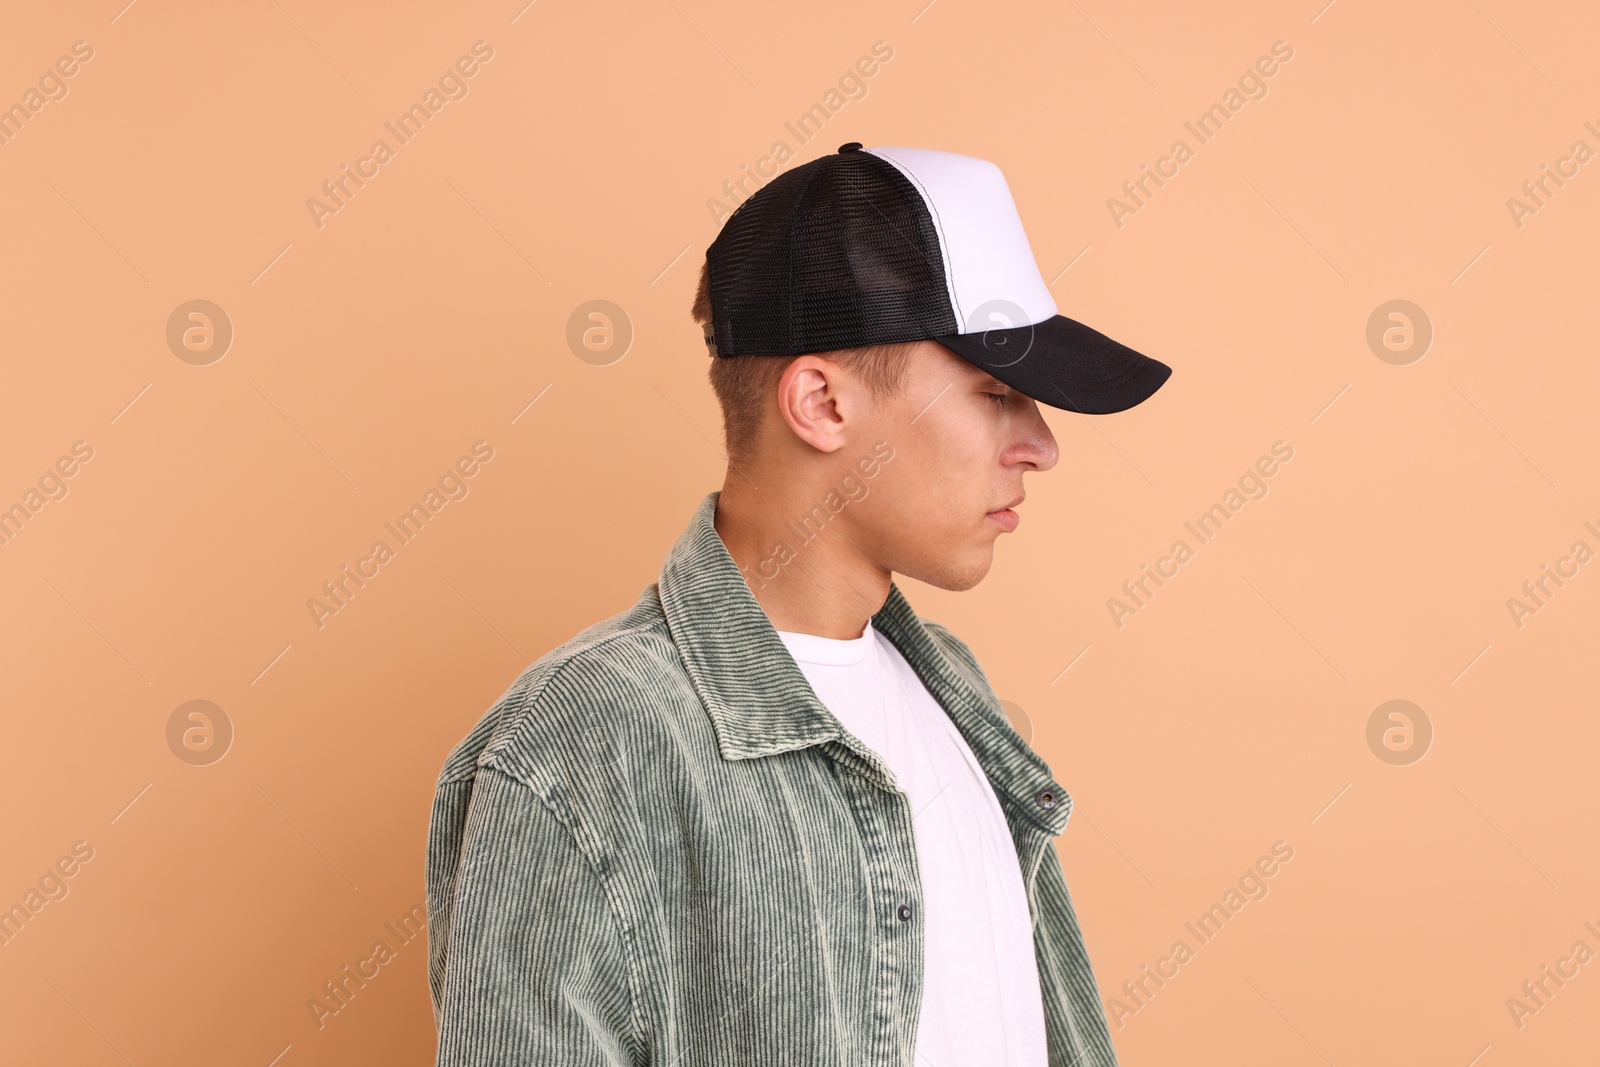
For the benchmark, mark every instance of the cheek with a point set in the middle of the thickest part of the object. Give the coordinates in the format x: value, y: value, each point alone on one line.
x: 944, y: 469
x: 961, y: 471
x: 937, y: 505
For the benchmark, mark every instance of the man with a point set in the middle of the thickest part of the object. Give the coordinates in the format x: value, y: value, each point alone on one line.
x: 768, y: 815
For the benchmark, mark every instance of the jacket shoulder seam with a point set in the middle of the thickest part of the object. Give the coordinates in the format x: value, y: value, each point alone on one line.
x: 526, y: 697
x: 533, y: 700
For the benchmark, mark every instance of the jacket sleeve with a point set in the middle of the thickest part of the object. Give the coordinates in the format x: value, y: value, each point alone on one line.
x: 526, y: 961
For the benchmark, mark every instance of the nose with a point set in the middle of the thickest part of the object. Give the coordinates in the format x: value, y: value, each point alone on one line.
x: 1035, y: 444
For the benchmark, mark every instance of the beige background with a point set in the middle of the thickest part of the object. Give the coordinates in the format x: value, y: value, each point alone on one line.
x: 1229, y: 713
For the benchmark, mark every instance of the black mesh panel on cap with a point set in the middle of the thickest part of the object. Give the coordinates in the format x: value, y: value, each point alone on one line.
x: 837, y: 253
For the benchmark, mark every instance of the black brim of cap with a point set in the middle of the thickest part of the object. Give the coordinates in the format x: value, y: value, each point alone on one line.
x: 1063, y: 363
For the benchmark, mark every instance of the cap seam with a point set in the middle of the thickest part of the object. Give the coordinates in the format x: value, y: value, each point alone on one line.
x: 938, y: 229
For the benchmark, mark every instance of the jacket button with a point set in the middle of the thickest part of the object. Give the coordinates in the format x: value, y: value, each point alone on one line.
x: 1046, y: 797
x: 905, y: 913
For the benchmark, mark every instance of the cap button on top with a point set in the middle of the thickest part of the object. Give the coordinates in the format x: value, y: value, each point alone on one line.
x: 853, y: 146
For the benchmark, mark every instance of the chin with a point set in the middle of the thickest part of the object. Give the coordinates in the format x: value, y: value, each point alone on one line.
x: 955, y: 576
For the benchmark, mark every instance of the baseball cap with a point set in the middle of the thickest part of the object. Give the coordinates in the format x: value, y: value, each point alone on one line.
x: 878, y: 245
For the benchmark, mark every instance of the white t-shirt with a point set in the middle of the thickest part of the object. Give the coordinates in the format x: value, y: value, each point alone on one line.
x: 980, y: 1001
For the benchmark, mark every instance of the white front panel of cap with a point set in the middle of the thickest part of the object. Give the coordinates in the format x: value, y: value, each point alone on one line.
x: 987, y: 259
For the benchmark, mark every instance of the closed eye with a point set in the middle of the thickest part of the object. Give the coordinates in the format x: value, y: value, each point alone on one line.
x: 999, y: 397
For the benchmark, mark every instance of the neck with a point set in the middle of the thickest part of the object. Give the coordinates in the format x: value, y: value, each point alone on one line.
x: 798, y: 557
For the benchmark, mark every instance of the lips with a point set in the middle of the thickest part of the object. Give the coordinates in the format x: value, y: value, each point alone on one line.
x: 1006, y: 517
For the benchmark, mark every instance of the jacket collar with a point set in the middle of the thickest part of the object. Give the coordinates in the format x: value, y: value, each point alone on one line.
x: 762, y: 705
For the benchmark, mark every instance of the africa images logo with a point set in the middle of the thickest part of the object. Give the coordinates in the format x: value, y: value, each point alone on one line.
x: 453, y: 484
x: 852, y: 86
x: 1252, y: 85
x: 452, y: 85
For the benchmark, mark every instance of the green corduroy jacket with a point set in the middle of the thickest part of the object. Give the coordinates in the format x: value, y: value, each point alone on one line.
x: 659, y: 847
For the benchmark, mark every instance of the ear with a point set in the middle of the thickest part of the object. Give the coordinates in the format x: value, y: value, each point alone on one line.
x: 814, y: 398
